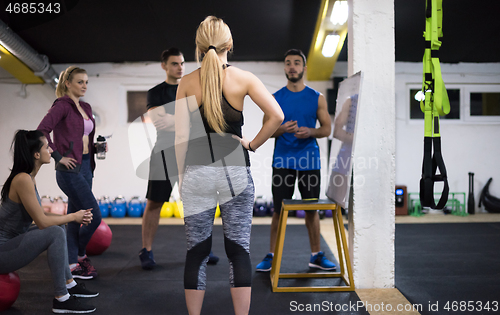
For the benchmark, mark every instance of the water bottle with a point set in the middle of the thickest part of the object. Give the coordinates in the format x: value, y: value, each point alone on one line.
x: 101, y: 147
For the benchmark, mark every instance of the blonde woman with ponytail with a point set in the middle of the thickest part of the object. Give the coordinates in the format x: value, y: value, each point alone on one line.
x: 72, y: 126
x: 213, y: 161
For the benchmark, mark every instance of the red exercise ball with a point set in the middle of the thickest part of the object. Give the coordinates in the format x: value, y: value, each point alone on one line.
x: 101, y: 240
x: 9, y: 289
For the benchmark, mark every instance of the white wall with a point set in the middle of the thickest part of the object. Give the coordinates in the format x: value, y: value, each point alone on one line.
x: 466, y: 146
x: 371, y: 212
x: 108, y: 84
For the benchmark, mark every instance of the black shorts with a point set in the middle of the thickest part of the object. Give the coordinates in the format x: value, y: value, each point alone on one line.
x: 159, y: 190
x: 283, y: 185
x: 160, y: 180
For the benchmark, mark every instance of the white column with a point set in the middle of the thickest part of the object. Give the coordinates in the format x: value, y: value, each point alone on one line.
x: 371, y: 227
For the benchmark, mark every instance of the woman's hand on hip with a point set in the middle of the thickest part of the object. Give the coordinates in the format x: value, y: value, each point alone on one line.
x: 70, y: 163
x: 244, y: 141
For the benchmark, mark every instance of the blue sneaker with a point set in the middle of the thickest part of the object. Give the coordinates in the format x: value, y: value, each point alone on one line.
x: 319, y: 261
x: 266, y: 264
x: 147, y: 260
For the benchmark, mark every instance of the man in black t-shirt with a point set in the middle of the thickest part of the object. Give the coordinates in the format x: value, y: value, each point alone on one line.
x: 161, y: 108
x: 163, y: 165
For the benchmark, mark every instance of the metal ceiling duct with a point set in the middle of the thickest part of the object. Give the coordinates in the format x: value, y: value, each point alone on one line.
x: 39, y: 64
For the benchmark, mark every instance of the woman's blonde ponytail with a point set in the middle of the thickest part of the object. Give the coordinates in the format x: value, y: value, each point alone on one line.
x: 212, y: 37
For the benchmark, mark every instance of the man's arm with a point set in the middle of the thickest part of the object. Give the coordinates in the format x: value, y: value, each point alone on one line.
x: 161, y: 119
x: 324, y: 121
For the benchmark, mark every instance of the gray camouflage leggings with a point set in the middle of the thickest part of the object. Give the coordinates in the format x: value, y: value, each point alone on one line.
x: 202, y: 188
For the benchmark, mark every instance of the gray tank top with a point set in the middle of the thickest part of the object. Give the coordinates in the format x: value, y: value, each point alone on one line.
x: 14, y: 219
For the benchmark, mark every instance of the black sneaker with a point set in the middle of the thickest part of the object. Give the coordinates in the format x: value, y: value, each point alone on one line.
x: 147, y: 259
x: 79, y: 290
x: 212, y: 259
x: 71, y: 305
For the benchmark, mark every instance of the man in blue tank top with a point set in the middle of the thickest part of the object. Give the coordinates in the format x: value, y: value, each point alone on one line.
x: 296, y: 153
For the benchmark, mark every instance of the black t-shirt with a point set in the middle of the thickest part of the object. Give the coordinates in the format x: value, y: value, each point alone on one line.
x: 162, y: 94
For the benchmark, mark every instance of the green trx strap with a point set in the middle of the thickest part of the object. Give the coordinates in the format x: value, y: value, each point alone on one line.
x: 436, y: 103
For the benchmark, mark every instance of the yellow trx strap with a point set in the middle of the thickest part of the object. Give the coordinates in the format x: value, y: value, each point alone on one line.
x: 436, y: 103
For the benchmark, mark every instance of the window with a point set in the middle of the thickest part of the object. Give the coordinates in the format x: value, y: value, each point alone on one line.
x: 485, y: 104
x: 481, y: 103
x: 136, y: 103
x: 469, y: 103
x: 453, y: 96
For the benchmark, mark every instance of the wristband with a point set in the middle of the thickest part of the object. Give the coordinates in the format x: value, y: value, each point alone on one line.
x: 250, y: 148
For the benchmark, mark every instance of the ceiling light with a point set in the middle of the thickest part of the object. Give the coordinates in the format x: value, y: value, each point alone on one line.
x: 330, y: 45
x: 340, y: 13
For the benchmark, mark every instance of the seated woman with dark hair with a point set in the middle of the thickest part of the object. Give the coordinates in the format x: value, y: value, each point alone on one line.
x: 20, y: 206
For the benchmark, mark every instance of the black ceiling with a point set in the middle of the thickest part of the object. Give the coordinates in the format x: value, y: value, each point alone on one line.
x: 138, y: 30
x: 470, y: 29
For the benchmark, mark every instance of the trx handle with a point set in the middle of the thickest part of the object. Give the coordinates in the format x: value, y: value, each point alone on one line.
x: 435, y: 104
x: 429, y: 177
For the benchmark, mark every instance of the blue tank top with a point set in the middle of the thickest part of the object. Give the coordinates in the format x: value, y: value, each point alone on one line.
x: 289, y: 151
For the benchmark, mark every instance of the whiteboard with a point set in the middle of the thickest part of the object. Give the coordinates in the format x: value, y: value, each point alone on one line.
x: 344, y: 135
